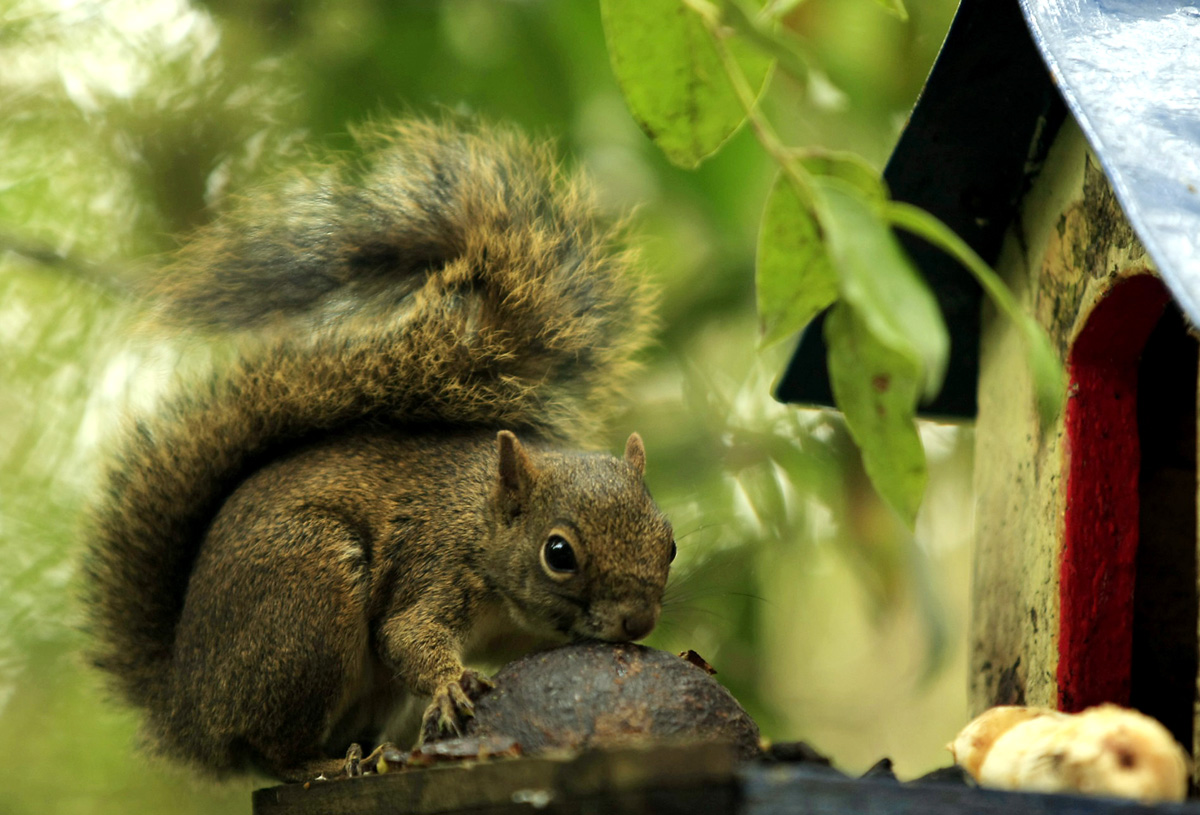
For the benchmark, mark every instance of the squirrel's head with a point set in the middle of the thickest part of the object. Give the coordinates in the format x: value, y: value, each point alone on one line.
x: 580, y: 548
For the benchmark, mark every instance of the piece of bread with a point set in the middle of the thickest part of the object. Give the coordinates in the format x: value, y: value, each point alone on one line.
x: 1105, y: 750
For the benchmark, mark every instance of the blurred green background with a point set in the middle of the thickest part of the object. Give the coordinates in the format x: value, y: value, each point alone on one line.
x: 127, y: 122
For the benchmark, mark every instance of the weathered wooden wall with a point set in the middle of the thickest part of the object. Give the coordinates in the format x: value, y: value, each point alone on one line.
x: 1069, y: 246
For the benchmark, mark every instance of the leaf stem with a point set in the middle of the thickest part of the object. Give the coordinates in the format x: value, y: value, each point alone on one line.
x: 916, y: 220
x: 1046, y: 366
x: 763, y: 129
x: 783, y: 49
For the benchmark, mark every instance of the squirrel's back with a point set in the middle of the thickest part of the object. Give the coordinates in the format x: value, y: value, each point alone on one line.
x: 450, y: 277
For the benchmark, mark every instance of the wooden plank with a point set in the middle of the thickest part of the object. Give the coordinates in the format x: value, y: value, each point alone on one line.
x: 684, y: 779
x: 801, y: 790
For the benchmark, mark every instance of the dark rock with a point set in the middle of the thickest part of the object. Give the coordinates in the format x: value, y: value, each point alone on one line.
x: 609, y: 695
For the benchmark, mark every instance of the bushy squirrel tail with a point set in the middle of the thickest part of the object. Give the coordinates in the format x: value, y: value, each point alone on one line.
x: 451, y: 277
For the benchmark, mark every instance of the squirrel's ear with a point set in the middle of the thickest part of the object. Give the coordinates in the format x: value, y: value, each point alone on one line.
x: 516, y: 470
x: 635, y: 453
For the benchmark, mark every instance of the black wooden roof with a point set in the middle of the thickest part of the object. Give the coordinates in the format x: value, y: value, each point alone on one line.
x: 1128, y: 70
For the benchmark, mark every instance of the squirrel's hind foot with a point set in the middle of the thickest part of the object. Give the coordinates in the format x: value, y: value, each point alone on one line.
x: 384, y: 758
x: 452, y: 704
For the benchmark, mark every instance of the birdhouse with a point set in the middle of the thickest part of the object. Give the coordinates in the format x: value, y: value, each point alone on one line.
x: 1061, y: 138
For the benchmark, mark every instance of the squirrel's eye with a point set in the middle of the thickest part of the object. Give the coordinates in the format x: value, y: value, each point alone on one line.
x: 674, y: 551
x: 558, y: 555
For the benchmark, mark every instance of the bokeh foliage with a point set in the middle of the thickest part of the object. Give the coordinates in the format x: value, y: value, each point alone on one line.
x: 693, y: 72
x: 128, y: 122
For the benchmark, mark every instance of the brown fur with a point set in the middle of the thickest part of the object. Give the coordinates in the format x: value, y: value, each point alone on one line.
x: 285, y: 552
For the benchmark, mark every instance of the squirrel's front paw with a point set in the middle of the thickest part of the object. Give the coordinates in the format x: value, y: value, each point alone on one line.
x: 453, y: 703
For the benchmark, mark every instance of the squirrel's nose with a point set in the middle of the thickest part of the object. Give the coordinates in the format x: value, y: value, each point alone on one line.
x: 639, y: 624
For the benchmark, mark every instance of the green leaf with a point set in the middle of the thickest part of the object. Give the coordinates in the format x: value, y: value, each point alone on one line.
x: 778, y: 9
x: 1049, y: 379
x: 782, y: 44
x: 793, y: 276
x: 877, y: 279
x: 849, y: 167
x: 673, y: 78
x: 895, y: 7
x: 877, y: 390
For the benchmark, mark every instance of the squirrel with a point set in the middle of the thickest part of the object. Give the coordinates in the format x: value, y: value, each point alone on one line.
x: 391, y: 478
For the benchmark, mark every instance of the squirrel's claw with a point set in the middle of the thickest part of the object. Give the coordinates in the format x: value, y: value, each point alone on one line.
x: 354, y: 761
x: 474, y: 684
x: 452, y: 704
x: 383, y: 759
